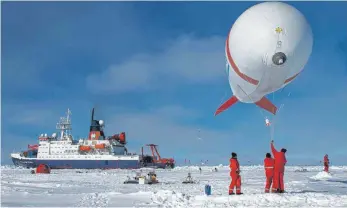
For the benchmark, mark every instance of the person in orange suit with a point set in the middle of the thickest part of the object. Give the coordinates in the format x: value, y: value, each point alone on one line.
x: 235, y: 175
x: 269, y: 171
x: 326, y: 163
x: 280, y: 162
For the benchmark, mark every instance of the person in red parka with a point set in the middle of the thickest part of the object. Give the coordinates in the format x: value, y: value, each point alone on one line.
x: 326, y: 163
x: 269, y: 171
x: 280, y: 162
x: 235, y: 175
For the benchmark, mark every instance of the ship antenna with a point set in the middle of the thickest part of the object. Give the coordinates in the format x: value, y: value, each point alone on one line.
x: 64, y: 125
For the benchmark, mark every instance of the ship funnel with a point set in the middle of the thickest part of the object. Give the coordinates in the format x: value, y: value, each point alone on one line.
x: 94, y: 125
x: 92, y: 115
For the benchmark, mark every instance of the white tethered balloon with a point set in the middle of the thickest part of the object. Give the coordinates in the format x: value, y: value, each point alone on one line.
x: 266, y: 49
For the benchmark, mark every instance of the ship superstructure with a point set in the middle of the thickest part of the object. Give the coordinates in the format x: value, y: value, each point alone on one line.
x: 97, y: 151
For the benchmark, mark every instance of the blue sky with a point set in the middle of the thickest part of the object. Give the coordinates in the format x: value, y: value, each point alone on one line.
x: 156, y: 70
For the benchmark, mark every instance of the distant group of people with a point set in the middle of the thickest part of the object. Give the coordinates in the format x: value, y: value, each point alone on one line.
x: 274, y: 171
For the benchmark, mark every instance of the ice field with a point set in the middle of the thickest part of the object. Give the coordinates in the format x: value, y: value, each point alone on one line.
x: 105, y: 188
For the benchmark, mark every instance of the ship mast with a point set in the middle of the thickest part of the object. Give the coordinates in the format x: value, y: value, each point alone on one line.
x: 64, y: 125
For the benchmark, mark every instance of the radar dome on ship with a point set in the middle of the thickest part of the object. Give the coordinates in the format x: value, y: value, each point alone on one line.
x: 101, y: 122
x: 54, y: 135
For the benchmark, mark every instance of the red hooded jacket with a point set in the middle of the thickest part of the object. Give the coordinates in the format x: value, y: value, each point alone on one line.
x: 280, y: 159
x: 234, y: 166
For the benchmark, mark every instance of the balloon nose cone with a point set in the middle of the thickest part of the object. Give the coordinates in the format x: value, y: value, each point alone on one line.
x: 279, y: 58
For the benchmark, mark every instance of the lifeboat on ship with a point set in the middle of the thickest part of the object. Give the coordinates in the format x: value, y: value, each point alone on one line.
x: 85, y: 148
x: 119, y: 137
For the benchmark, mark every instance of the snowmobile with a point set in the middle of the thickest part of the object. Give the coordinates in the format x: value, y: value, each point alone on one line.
x: 138, y: 179
x: 301, y: 170
x: 189, y: 179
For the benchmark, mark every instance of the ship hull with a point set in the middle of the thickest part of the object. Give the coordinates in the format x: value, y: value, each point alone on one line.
x: 78, y: 164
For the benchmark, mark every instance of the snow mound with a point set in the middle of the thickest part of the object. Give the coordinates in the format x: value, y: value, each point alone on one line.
x: 11, y: 167
x: 301, y: 170
x: 170, y: 198
x: 179, y: 168
x: 105, y: 188
x: 322, y: 176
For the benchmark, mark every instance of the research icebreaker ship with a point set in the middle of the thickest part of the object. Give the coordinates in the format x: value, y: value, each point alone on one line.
x: 63, y: 152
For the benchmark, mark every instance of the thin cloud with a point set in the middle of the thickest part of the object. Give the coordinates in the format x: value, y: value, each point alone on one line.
x: 169, y: 132
x: 40, y: 114
x: 186, y: 60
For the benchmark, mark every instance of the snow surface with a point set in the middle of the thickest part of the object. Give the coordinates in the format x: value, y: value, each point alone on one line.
x: 105, y: 188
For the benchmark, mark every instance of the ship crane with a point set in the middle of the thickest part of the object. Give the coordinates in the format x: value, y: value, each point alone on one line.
x: 156, y: 159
